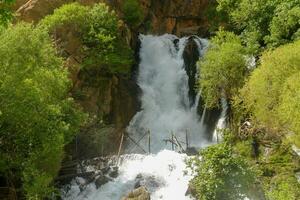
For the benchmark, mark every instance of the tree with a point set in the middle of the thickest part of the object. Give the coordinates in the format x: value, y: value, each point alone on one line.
x: 220, y: 174
x: 37, y: 118
x: 263, y: 22
x: 133, y: 13
x: 263, y: 91
x: 223, y: 68
x: 285, y: 25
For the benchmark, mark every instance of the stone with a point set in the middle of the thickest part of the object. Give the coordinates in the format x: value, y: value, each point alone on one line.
x: 140, y: 193
x: 114, y: 172
x: 191, y: 151
x: 101, y: 180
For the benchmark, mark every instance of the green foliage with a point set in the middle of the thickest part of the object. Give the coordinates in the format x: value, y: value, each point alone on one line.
x: 5, y: 12
x: 97, y: 28
x: 36, y: 117
x: 284, y: 188
x: 285, y: 25
x: 223, y: 69
x: 289, y: 108
x: 133, y: 14
x: 263, y: 22
x: 264, y: 92
x: 215, y: 19
x: 220, y: 174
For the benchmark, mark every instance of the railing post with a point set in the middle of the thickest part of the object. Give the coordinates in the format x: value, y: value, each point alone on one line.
x: 149, y: 142
x: 120, y: 147
x: 187, y: 139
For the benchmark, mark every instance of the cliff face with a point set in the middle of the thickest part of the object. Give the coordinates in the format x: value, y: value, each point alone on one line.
x: 180, y: 17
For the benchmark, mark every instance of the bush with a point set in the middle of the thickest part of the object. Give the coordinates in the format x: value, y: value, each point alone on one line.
x: 36, y: 117
x: 220, y: 174
x: 223, y: 68
x: 133, y: 13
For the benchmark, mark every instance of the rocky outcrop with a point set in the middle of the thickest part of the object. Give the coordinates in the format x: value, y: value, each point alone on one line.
x: 140, y: 193
x: 179, y: 17
x: 168, y: 16
x: 191, y: 56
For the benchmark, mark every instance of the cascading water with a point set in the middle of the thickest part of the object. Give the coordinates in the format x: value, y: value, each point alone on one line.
x: 166, y: 106
x: 165, y: 109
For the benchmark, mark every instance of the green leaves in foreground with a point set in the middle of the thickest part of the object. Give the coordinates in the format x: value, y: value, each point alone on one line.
x: 36, y: 116
x: 220, y: 174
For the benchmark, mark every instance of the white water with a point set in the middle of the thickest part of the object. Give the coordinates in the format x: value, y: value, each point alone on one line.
x: 165, y: 102
x: 217, y: 135
x: 165, y: 109
x: 164, y: 176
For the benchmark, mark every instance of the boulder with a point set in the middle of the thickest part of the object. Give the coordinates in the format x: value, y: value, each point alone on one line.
x: 140, y: 193
x: 101, y: 180
x: 114, y: 172
x: 191, y: 151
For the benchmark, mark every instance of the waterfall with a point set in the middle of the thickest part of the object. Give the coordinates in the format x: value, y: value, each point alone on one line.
x: 217, y: 135
x: 165, y: 109
x: 165, y: 102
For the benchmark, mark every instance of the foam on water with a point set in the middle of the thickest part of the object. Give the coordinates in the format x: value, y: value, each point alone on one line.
x: 165, y: 176
x: 165, y: 101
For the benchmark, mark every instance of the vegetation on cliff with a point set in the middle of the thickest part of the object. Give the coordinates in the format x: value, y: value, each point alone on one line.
x: 223, y: 69
x: 97, y: 27
x: 133, y: 14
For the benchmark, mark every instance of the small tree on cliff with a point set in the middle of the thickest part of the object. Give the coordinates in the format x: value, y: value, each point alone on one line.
x: 223, y: 68
x: 133, y: 13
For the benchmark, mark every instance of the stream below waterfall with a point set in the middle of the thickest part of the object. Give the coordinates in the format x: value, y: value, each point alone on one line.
x: 166, y: 110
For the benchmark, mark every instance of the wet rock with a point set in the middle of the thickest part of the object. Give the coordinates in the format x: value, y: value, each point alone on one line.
x: 148, y: 181
x: 140, y: 193
x: 191, y: 191
x: 191, y: 151
x: 114, y: 172
x: 101, y: 180
x: 105, y: 170
x: 191, y: 57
